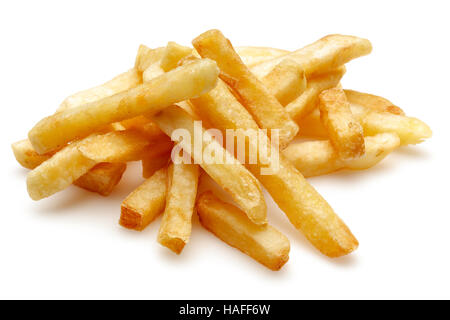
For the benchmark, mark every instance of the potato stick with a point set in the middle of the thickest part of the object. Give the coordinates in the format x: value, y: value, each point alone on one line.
x: 344, y: 130
x: 58, y: 172
x: 102, y: 178
x: 286, y: 81
x: 372, y: 101
x: 303, y: 205
x: 265, y: 244
x: 27, y: 156
x: 116, y: 146
x: 176, y: 225
x: 151, y: 164
x: 322, y: 56
x: 145, y: 203
x: 145, y: 126
x: 172, y: 54
x: 174, y: 86
x: 122, y: 82
x: 308, y: 100
x: 254, y: 55
x: 147, y: 57
x: 410, y: 130
x: 265, y: 108
x: 314, y: 158
x: 230, y: 174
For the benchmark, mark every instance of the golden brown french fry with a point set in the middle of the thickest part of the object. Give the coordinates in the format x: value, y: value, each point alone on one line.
x: 410, y: 130
x: 102, y: 178
x: 322, y: 56
x: 308, y: 100
x: 145, y: 203
x: 372, y: 101
x: 177, y: 85
x: 172, y: 54
x: 303, y: 205
x: 152, y: 163
x: 145, y: 126
x: 176, y: 225
x: 147, y: 57
x: 27, y: 156
x: 286, y: 81
x: 230, y: 174
x: 265, y: 244
x: 314, y: 158
x: 344, y: 130
x: 265, y: 108
x: 58, y: 172
x: 254, y: 55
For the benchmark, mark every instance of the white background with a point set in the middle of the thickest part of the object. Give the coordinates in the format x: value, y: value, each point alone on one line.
x: 71, y: 246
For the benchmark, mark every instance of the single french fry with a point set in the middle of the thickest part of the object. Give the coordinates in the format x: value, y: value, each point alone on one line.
x: 265, y: 244
x: 315, y: 158
x: 102, y: 178
x: 145, y: 203
x: 27, y: 156
x: 172, y: 54
x: 230, y: 174
x: 322, y: 56
x: 372, y: 101
x: 58, y: 172
x: 152, y: 163
x: 344, y: 130
x: 302, y: 204
x: 177, y: 85
x: 253, y: 55
x: 286, y: 81
x: 265, y: 108
x: 410, y: 130
x: 145, y: 126
x: 176, y: 225
x: 307, y: 101
x: 147, y: 57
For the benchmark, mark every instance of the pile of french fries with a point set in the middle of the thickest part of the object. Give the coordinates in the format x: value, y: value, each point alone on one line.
x: 133, y: 117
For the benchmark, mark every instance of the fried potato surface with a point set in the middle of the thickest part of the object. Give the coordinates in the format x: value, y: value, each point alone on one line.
x: 372, y: 101
x: 145, y: 203
x: 254, y: 55
x: 265, y: 244
x: 152, y: 163
x: 172, y: 54
x: 176, y: 225
x: 315, y: 158
x: 177, y: 85
x: 344, y: 130
x: 265, y: 108
x: 102, y: 178
x: 230, y: 174
x: 147, y: 57
x: 322, y: 56
x: 27, y: 156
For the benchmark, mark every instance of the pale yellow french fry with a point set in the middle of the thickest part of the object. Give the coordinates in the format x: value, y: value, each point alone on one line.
x: 265, y: 244
x: 410, y: 130
x: 102, y: 178
x: 172, y: 54
x: 303, y: 205
x: 145, y: 126
x: 322, y: 56
x: 254, y: 55
x: 58, y: 172
x: 151, y: 164
x: 265, y: 108
x: 343, y: 128
x: 147, y: 57
x: 27, y: 156
x: 176, y: 225
x: 177, y: 85
x: 314, y: 158
x: 145, y: 203
x: 372, y: 101
x: 230, y: 174
x: 286, y: 81
x: 307, y: 101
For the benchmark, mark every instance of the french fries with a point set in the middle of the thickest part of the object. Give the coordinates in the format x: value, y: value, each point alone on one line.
x: 286, y: 81
x: 27, y: 156
x: 265, y: 108
x: 315, y: 158
x: 177, y: 85
x: 254, y: 55
x: 344, y: 130
x: 265, y: 244
x: 307, y: 101
x: 372, y: 101
x: 176, y: 225
x: 230, y: 174
x: 172, y: 54
x: 322, y: 56
x: 147, y: 57
x: 145, y: 203
x: 151, y: 164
